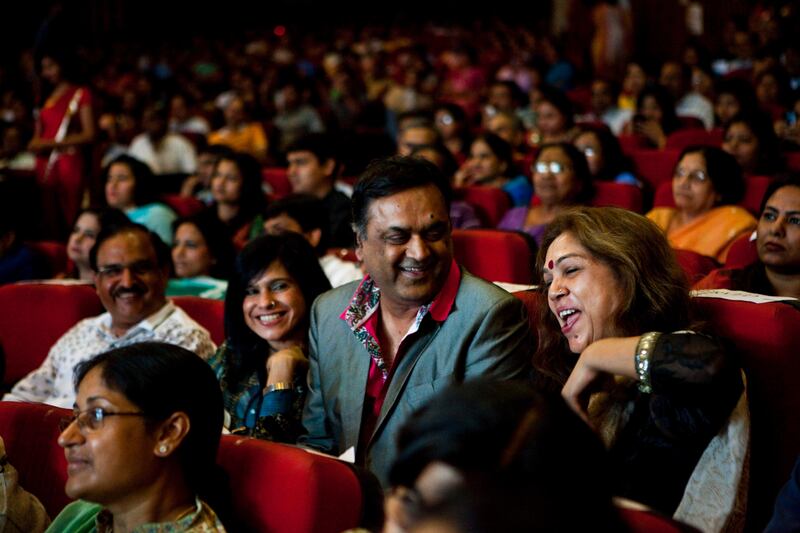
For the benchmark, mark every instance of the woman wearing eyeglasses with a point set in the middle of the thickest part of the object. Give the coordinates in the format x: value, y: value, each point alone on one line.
x: 705, y: 184
x: 561, y: 178
x: 604, y: 155
x: 141, y: 446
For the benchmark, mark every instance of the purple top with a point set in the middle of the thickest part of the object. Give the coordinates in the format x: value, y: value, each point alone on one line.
x: 514, y: 220
x: 462, y: 215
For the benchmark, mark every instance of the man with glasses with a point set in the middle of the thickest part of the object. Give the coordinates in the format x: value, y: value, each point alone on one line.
x: 131, y: 267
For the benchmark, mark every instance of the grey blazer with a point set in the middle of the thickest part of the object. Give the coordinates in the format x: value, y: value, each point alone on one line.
x: 486, y: 334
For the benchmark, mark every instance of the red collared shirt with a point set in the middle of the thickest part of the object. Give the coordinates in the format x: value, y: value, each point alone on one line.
x: 362, y: 314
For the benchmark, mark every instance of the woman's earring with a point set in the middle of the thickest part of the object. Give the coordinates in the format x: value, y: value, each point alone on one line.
x: 162, y: 448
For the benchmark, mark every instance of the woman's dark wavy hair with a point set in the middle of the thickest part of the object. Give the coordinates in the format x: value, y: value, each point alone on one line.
x: 558, y: 99
x: 217, y: 239
x: 251, y: 198
x: 162, y: 379
x: 723, y: 170
x: 615, y: 162
x: 299, y: 259
x: 654, y: 290
x: 144, y: 189
x: 580, y: 167
x: 669, y: 120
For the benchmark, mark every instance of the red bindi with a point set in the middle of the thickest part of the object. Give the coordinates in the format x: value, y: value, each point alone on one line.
x: 550, y: 265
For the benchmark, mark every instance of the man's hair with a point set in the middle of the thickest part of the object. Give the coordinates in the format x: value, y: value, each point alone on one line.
x: 319, y: 144
x: 386, y: 177
x: 307, y: 210
x: 163, y: 255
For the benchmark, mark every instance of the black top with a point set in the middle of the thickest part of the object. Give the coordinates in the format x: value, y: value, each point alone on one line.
x: 340, y: 232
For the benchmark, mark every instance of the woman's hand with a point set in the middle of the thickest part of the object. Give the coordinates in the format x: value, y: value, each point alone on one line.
x: 464, y: 176
x: 283, y: 365
x: 653, y: 131
x: 612, y: 356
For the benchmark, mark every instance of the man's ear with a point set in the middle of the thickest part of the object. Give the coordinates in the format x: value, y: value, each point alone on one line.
x: 313, y: 237
x: 170, y: 434
x: 328, y: 167
x: 359, y: 245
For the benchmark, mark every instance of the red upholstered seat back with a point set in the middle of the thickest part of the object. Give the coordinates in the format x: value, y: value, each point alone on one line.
x: 283, y: 489
x: 184, y: 206
x: 680, y: 139
x: 617, y: 195
x: 208, y: 313
x: 490, y: 203
x: 494, y: 255
x: 278, y: 180
x: 792, y: 161
x: 742, y: 252
x: 767, y: 338
x: 54, y: 254
x: 655, y: 166
x: 694, y: 265
x: 34, y: 316
x: 641, y: 521
x: 30, y: 431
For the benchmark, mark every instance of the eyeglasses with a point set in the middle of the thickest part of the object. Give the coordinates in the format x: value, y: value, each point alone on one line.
x: 698, y: 176
x: 91, y: 419
x: 554, y: 167
x: 139, y: 268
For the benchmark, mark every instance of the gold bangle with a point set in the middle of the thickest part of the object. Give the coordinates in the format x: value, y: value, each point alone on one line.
x: 641, y: 359
x: 280, y: 385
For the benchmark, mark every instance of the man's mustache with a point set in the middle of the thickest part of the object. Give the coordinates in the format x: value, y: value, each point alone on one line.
x: 136, y: 290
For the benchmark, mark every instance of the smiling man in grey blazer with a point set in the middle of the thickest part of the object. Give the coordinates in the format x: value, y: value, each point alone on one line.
x: 380, y: 348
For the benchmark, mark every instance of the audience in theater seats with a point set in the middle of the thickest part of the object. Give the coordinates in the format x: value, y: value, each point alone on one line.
x: 633, y: 84
x: 604, y: 155
x: 18, y: 261
x: 131, y: 266
x: 706, y: 184
x: 238, y: 134
x: 491, y: 164
x: 777, y: 270
x: 129, y: 186
x: 554, y: 117
x: 451, y: 123
x: 294, y: 117
x: 752, y: 141
x: 524, y: 458
x: 613, y: 296
x: 677, y: 79
x: 655, y: 117
x: 313, y: 167
x: 20, y: 511
x: 238, y: 198
x: 462, y: 214
x: 163, y: 151
x: 303, y: 214
x: 141, y: 445
x: 605, y: 95
x: 415, y: 130
x: 262, y: 364
x: 202, y: 258
x: 417, y: 322
x: 561, y: 178
x: 82, y: 238
x: 198, y: 184
x: 735, y: 96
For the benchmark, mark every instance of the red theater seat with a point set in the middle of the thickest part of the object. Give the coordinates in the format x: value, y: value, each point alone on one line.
x: 494, y: 255
x: 792, y: 161
x: 283, y: 489
x: 655, y: 166
x: 766, y: 338
x: 618, y: 195
x: 694, y: 265
x: 208, y: 313
x: 682, y: 138
x: 184, y: 206
x: 278, y: 180
x: 643, y: 521
x: 490, y: 203
x: 54, y: 254
x: 30, y: 431
x: 34, y: 316
x: 742, y: 252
